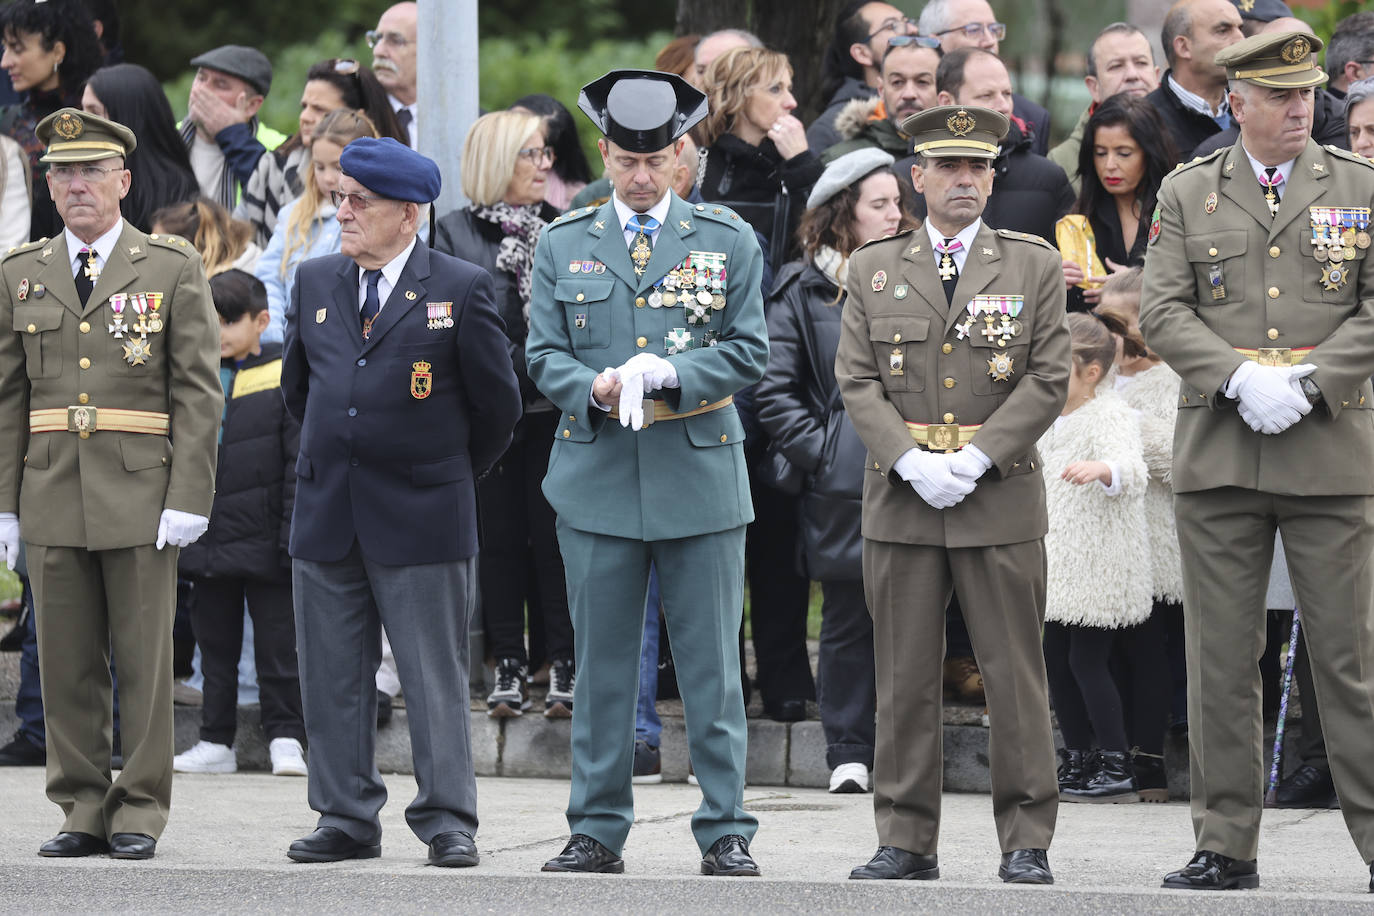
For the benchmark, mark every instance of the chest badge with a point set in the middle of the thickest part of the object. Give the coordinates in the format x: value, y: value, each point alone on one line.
x: 320, y: 315
x: 1210, y: 205
x: 879, y: 281
x: 23, y: 292
x: 440, y: 315
x: 1000, y: 367
x: 421, y: 380
x: 900, y: 291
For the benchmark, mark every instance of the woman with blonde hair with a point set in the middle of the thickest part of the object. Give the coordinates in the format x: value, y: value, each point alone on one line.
x: 306, y: 227
x: 754, y: 157
x: 505, y: 167
x: 224, y: 243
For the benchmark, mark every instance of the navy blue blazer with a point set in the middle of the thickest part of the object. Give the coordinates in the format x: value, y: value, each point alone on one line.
x: 394, y: 429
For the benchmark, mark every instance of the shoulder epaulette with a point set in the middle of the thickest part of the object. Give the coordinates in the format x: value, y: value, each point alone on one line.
x: 1347, y: 154
x: 1198, y: 160
x: 899, y: 235
x: 573, y: 215
x: 1025, y: 237
x: 27, y: 246
x: 174, y: 242
x: 718, y: 213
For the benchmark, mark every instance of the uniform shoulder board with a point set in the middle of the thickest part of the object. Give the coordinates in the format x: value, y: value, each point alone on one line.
x: 718, y: 213
x: 1025, y: 237
x: 573, y: 215
x: 899, y: 235
x: 1347, y: 154
x: 174, y: 242
x: 27, y: 246
x: 1198, y: 160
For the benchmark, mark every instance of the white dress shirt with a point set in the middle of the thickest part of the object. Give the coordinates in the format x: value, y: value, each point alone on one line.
x: 390, y: 274
x: 103, y: 246
x: 965, y: 238
x: 658, y: 211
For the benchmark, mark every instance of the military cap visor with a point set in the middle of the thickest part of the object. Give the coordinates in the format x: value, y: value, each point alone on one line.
x: 957, y: 130
x: 72, y: 135
x: 1282, y: 60
x: 642, y: 111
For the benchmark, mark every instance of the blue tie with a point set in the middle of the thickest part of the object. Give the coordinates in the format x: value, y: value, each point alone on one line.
x: 371, y: 304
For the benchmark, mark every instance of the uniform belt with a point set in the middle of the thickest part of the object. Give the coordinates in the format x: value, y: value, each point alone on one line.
x: 942, y: 437
x: 1276, y: 356
x: 661, y: 411
x: 86, y: 420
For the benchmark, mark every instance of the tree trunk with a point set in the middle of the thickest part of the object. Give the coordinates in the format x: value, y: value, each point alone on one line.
x: 801, y: 29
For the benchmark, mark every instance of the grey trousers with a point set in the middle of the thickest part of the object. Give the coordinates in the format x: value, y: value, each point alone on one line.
x: 340, y: 608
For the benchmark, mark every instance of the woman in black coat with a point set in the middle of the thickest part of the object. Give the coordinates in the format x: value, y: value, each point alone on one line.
x: 798, y: 403
x: 505, y: 166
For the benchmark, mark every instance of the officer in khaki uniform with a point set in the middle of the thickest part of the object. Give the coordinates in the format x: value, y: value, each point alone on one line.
x: 953, y: 359
x: 1258, y: 292
x: 110, y: 356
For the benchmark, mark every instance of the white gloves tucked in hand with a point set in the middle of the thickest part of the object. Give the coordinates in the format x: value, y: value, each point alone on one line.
x: 641, y: 374
x: 933, y: 478
x: 9, y: 538
x: 1271, y: 398
x: 179, y: 528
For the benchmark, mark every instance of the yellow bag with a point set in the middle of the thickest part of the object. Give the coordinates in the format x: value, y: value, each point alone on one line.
x: 1074, y: 236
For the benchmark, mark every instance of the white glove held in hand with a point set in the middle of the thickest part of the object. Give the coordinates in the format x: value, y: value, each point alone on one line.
x: 641, y: 374
x: 969, y: 463
x: 9, y: 538
x: 930, y: 476
x: 179, y: 528
x: 1271, y: 399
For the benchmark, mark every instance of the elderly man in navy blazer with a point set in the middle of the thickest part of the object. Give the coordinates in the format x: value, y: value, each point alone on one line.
x: 396, y: 365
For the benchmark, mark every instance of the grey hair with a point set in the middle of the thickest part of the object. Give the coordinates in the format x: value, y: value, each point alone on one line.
x: 744, y: 35
x: 935, y: 17
x: 1116, y: 28
x: 1359, y: 91
x: 1352, y: 40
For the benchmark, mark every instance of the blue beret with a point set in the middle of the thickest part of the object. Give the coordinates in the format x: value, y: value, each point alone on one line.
x: 391, y: 169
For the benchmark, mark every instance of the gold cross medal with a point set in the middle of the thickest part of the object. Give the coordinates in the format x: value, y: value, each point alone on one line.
x: 1000, y: 367
x: 641, y: 254
x: 137, y: 350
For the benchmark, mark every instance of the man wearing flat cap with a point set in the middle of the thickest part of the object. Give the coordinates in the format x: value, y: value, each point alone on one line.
x: 396, y: 364
x: 110, y: 355
x: 953, y: 360
x: 1258, y: 284
x: 646, y: 318
x: 222, y: 133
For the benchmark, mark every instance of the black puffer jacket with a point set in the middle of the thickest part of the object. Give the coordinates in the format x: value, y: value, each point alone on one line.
x: 1029, y: 192
x: 767, y: 192
x: 463, y: 235
x: 255, y: 480
x: 1186, y: 127
x: 799, y: 405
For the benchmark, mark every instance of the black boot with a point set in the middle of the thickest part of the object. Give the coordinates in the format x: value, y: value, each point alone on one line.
x: 1108, y: 780
x: 1150, y: 777
x: 1072, y: 764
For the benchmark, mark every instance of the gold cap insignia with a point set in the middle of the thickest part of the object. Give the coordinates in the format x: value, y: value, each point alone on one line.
x: 961, y: 123
x: 68, y: 126
x: 1296, y: 50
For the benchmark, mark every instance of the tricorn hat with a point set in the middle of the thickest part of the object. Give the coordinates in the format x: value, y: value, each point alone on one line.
x: 642, y: 111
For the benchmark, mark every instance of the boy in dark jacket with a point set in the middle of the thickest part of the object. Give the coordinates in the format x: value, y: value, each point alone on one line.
x: 243, y: 554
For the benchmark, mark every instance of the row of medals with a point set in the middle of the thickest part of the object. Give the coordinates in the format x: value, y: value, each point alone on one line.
x: 1336, y: 234
x: 698, y: 285
x: 137, y: 347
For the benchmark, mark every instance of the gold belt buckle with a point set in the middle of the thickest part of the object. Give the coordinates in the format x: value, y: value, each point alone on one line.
x: 1274, y: 356
x: 648, y: 405
x: 942, y: 437
x: 81, y: 420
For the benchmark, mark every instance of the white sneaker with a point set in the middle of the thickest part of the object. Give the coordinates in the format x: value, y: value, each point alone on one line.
x: 206, y: 757
x: 849, y: 778
x: 288, y: 758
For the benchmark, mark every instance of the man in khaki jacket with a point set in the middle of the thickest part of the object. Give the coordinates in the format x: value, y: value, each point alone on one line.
x: 1259, y: 292
x: 953, y: 359
x: 109, y: 352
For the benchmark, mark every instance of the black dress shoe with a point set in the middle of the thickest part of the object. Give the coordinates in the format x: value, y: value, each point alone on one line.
x: 132, y: 846
x: 330, y: 844
x: 1026, y: 866
x: 891, y: 863
x: 21, y: 752
x: 1308, y: 787
x: 72, y: 845
x: 585, y: 854
x: 786, y: 710
x: 729, y: 856
x: 1212, y: 871
x: 454, y: 849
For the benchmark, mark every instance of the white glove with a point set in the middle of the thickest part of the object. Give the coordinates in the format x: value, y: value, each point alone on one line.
x: 9, y: 538
x: 179, y: 528
x: 642, y: 373
x: 1271, y: 400
x: 969, y: 463
x: 930, y: 476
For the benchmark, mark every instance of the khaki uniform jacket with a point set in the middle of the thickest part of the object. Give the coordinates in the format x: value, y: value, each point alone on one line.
x: 942, y: 374
x: 1272, y: 295
x: 106, y: 491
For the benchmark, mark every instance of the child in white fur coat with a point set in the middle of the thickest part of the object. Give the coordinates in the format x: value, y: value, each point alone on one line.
x: 1098, y: 560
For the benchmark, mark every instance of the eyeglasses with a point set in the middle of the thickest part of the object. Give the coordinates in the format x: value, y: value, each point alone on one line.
x: 537, y: 154
x: 893, y: 24
x: 998, y: 30
x: 395, y: 39
x: 357, y: 202
x: 920, y: 41
x: 64, y: 174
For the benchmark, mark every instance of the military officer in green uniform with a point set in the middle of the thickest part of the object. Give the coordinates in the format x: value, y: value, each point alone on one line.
x: 648, y: 461
x: 953, y: 359
x: 1259, y: 292
x: 109, y: 355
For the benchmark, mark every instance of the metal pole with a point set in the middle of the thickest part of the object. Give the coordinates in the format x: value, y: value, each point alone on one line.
x: 447, y: 88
